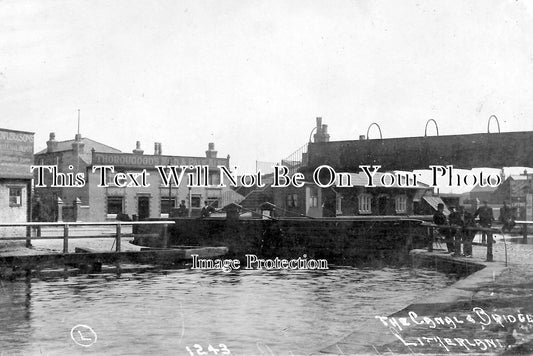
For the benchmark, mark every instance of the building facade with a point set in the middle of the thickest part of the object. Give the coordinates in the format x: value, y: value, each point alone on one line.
x: 16, y: 148
x: 154, y: 199
x: 125, y: 185
x: 69, y: 156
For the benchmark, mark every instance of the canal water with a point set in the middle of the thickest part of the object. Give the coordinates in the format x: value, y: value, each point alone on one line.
x: 177, y: 312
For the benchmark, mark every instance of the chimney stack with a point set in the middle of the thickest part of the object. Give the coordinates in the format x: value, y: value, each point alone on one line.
x: 51, y: 144
x: 138, y: 150
x: 321, y: 134
x: 158, y: 151
x: 211, y: 153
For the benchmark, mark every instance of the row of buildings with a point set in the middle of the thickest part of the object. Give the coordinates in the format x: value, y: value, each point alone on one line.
x: 133, y: 200
x: 24, y: 200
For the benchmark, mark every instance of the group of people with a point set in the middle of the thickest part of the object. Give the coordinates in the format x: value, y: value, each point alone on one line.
x: 457, y: 224
x: 182, y: 211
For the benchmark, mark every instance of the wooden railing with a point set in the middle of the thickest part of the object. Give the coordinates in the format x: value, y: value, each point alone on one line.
x: 66, y: 230
x: 458, y: 240
x: 524, y: 224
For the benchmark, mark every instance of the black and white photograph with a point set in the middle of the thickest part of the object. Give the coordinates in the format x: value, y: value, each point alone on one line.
x: 284, y: 177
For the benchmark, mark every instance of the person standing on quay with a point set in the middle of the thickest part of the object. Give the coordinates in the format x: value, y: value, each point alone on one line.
x: 207, y: 210
x: 456, y: 219
x: 468, y: 235
x: 506, y: 217
x: 440, y: 219
x: 485, y: 220
x: 182, y: 209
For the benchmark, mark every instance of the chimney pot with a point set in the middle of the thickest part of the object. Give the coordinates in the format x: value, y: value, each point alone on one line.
x: 318, y: 124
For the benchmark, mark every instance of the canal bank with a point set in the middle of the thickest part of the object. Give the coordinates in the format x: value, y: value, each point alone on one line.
x: 488, y: 312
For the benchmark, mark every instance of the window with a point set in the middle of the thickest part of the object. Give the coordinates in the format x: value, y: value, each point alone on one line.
x: 167, y: 204
x: 365, y: 204
x: 15, y: 196
x: 401, y: 204
x: 115, y: 205
x: 292, y: 200
x: 196, y: 201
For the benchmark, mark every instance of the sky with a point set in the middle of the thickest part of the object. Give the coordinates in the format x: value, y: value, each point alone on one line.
x: 252, y: 76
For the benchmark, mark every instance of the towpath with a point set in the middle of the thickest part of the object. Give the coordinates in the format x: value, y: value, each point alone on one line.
x: 490, y: 312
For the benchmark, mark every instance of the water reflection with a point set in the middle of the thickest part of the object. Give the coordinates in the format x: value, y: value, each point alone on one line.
x: 164, y: 312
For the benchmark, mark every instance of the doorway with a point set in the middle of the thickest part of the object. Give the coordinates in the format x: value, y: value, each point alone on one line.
x: 143, y: 207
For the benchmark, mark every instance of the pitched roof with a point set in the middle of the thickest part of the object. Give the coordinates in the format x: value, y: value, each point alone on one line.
x: 62, y: 146
x: 434, y: 202
x: 485, y: 189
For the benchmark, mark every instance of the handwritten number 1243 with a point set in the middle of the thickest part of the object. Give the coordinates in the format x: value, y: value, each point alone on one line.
x: 200, y: 350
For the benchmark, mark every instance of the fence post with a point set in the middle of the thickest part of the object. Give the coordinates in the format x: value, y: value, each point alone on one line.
x: 489, y: 247
x: 28, y: 236
x: 59, y: 210
x: 431, y: 237
x: 65, y: 238
x: 165, y: 236
x: 119, y: 236
x: 524, y: 233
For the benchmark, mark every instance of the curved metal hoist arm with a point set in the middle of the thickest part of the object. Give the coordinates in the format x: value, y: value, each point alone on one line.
x: 497, y: 122
x: 426, y: 129
x: 379, y: 128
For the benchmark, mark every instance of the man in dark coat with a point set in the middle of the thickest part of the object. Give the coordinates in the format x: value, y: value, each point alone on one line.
x: 455, y: 219
x: 207, y: 210
x: 506, y: 217
x: 485, y: 219
x: 468, y: 235
x: 182, y: 209
x: 440, y: 219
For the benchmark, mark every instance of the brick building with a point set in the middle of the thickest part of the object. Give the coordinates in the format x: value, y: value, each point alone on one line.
x: 93, y: 202
x: 16, y: 157
x: 69, y: 156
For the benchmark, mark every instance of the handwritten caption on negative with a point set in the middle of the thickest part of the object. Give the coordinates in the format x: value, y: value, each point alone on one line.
x: 501, y: 330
